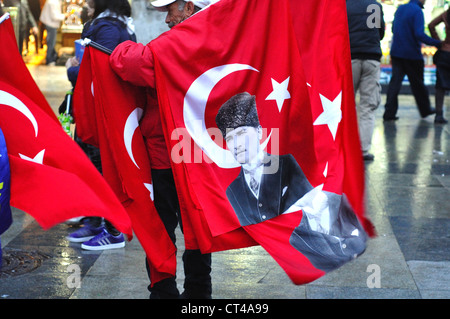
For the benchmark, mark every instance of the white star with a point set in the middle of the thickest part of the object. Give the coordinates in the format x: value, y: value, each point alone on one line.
x: 39, y: 158
x: 150, y: 189
x: 332, y: 113
x: 280, y: 92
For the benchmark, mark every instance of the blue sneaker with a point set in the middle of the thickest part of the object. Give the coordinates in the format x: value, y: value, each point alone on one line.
x: 103, y: 241
x: 84, y: 233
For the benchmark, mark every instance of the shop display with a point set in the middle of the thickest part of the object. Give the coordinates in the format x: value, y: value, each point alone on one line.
x: 73, y: 25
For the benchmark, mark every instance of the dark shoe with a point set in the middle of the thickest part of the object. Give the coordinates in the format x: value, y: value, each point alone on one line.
x: 388, y: 119
x: 440, y: 120
x: 164, y: 289
x: 432, y: 111
x: 195, y: 295
x: 368, y: 157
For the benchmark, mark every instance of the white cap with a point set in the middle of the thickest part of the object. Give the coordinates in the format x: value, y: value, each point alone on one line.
x: 199, y: 3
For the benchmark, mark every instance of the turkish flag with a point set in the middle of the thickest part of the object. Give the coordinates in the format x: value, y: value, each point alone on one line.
x: 118, y: 108
x: 291, y: 61
x: 51, y: 177
x: 84, y: 114
x: 17, y: 74
x: 327, y: 64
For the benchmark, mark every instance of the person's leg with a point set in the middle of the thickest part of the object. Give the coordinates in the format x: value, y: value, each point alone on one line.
x: 197, y: 270
x: 111, y: 229
x: 51, y: 42
x: 370, y: 98
x: 439, y: 97
x: 395, y: 84
x: 166, y: 204
x: 414, y: 70
x: 356, y: 73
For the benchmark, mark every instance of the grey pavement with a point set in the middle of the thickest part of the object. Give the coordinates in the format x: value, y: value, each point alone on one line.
x: 407, y: 200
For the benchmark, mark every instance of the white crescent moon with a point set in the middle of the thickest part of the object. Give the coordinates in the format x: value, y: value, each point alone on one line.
x: 12, y: 101
x: 194, y: 108
x: 131, y: 125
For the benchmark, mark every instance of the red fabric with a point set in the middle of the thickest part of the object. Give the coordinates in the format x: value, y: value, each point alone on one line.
x: 51, y: 177
x: 276, y: 41
x: 17, y: 74
x: 84, y: 106
x: 133, y: 62
x: 326, y: 61
x: 125, y: 161
x: 152, y: 131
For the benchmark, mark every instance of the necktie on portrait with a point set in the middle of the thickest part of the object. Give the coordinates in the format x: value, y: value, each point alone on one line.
x: 254, y: 185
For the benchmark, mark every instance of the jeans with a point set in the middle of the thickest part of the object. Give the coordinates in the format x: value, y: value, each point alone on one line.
x: 51, y: 42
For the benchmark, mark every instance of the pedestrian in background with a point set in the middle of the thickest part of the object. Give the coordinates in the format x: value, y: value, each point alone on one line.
x: 26, y: 20
x: 51, y: 16
x: 366, y: 29
x: 407, y: 59
x: 442, y: 61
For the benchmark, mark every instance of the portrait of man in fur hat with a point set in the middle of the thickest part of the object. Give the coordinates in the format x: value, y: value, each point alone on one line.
x: 267, y: 185
x: 329, y: 236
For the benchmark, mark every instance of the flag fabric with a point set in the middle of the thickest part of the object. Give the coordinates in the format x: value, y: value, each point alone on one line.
x: 17, y: 74
x: 85, y: 117
x: 5, y: 176
x: 51, y: 177
x: 294, y: 59
x: 118, y: 108
x: 326, y: 61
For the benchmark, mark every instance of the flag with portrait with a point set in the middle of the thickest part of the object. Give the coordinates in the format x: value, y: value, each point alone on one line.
x: 263, y: 133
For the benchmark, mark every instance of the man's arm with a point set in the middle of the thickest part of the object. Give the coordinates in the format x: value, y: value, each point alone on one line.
x: 134, y: 63
x: 419, y: 32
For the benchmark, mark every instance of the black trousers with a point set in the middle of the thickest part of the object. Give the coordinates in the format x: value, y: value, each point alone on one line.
x: 414, y: 70
x: 197, y: 266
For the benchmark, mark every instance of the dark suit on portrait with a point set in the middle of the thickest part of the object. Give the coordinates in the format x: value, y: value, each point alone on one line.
x: 278, y: 191
x: 281, y: 189
x: 345, y: 241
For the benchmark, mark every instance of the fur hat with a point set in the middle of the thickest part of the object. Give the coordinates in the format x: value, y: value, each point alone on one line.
x: 239, y: 110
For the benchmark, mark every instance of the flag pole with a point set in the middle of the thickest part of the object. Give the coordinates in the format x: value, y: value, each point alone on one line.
x: 4, y: 17
x: 95, y: 45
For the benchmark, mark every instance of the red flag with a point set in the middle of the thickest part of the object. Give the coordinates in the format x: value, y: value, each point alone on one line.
x: 326, y: 60
x: 118, y: 109
x: 298, y: 211
x: 17, y: 74
x: 51, y: 177
x: 84, y: 115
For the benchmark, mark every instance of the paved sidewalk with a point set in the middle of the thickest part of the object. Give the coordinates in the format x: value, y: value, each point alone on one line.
x: 407, y: 200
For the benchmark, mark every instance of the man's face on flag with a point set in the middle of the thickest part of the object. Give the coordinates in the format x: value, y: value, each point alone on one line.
x: 244, y: 143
